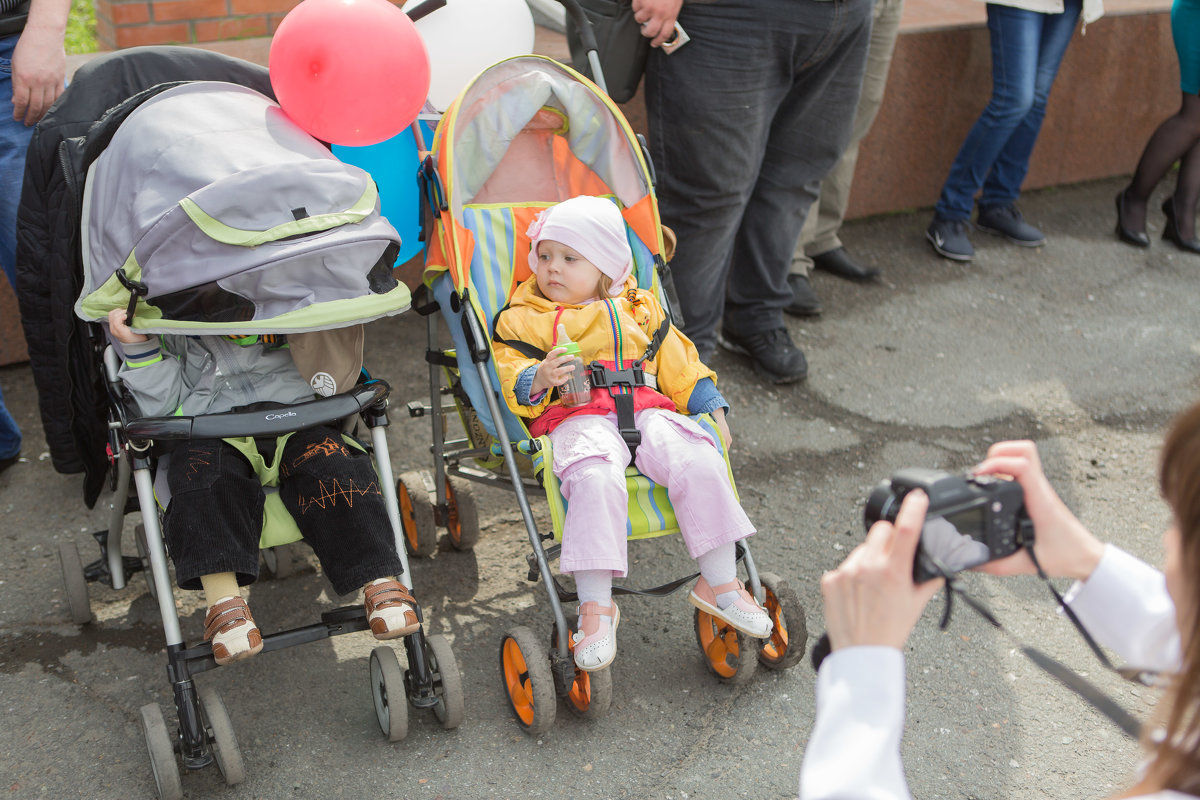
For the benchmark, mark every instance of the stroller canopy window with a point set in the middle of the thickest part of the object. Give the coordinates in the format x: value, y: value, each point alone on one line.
x: 527, y: 131
x: 234, y: 220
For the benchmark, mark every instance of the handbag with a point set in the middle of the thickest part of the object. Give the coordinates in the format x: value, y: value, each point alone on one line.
x: 622, y: 48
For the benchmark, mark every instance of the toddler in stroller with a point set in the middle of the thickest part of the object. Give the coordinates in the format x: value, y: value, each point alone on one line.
x: 643, y: 372
x: 214, y: 516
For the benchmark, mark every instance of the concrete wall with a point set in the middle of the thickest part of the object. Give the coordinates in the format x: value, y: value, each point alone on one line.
x: 1117, y: 83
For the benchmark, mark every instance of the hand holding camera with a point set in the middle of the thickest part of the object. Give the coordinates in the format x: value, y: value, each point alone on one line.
x: 925, y: 524
x: 1065, y: 548
x: 871, y: 598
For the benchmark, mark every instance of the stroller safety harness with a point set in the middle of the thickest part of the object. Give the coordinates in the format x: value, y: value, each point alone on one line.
x: 620, y: 381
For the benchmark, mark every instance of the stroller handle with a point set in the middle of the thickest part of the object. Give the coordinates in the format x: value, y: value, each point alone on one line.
x: 261, y: 421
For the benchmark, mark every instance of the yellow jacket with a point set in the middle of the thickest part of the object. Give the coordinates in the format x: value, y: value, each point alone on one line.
x: 533, y: 319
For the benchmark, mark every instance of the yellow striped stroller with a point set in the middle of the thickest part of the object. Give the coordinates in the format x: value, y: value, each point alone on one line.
x: 525, y: 134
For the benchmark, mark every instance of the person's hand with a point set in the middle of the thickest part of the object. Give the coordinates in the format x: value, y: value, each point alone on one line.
x: 1063, y: 547
x: 122, y: 332
x: 553, y: 371
x: 657, y: 18
x: 39, y: 65
x: 718, y: 415
x: 871, y: 598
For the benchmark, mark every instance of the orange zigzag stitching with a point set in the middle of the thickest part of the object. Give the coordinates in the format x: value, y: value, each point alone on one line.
x: 330, y: 495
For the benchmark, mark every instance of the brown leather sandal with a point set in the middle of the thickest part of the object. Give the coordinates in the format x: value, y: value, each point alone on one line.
x: 391, y: 609
x: 231, y: 629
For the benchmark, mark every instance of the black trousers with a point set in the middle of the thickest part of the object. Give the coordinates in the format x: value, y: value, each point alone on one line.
x: 214, y: 519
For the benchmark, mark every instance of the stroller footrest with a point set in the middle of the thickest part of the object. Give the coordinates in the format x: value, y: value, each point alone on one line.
x: 347, y: 619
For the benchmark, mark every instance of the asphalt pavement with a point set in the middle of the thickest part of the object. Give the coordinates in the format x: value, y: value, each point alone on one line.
x: 1085, y: 345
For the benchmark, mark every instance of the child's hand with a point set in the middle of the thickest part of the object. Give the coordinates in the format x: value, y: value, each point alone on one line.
x: 122, y: 332
x: 718, y: 416
x: 552, y: 372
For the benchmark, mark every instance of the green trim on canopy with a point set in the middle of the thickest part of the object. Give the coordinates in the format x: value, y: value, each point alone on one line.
x: 227, y: 234
x: 329, y: 314
x: 111, y: 294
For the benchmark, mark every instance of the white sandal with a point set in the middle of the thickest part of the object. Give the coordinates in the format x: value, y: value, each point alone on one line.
x: 743, y: 614
x: 595, y: 650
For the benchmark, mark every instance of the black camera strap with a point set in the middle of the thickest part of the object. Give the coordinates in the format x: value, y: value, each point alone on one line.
x: 1091, y: 694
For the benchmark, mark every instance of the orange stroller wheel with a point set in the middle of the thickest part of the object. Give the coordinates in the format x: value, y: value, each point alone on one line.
x: 786, y: 645
x: 463, y: 519
x: 527, y: 680
x: 728, y: 653
x: 590, y: 693
x: 416, y: 514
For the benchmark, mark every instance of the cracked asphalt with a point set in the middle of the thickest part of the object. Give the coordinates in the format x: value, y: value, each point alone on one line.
x: 1085, y: 345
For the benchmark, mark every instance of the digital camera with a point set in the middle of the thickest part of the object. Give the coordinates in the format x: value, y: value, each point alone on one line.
x: 971, y: 519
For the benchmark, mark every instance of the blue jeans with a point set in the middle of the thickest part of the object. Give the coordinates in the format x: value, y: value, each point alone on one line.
x: 744, y: 122
x: 14, y: 141
x: 1027, y: 49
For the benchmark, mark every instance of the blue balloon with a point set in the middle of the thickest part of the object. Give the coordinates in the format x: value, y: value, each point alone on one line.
x: 393, y: 164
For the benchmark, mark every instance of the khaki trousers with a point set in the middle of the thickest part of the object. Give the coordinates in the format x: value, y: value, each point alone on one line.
x: 820, y: 232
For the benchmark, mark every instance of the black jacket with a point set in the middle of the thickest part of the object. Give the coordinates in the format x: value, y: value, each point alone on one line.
x: 66, y: 364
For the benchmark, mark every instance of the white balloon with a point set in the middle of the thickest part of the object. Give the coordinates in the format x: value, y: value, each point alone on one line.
x: 465, y: 37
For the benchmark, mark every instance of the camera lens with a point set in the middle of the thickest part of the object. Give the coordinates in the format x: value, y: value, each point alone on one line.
x: 881, y: 504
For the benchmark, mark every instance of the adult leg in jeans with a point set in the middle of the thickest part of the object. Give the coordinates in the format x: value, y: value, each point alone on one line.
x: 713, y: 110
x: 10, y: 437
x: 14, y: 141
x: 1016, y: 39
x: 808, y: 134
x: 1003, y: 184
x: 709, y: 108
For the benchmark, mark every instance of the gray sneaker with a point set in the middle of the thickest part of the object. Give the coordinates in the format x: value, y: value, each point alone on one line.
x: 949, y: 238
x: 1007, y: 221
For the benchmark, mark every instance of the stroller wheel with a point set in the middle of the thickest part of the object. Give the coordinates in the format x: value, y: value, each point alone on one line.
x: 786, y: 645
x: 590, y: 693
x: 527, y: 680
x: 728, y: 653
x: 143, y: 551
x: 447, y: 681
x: 463, y: 523
x: 387, y: 690
x: 75, y: 583
x: 225, y: 744
x: 279, y: 560
x: 416, y: 514
x: 162, y: 754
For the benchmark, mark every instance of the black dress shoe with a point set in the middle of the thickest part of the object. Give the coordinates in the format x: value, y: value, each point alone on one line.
x: 838, y: 262
x: 1124, y: 232
x: 805, y: 302
x: 1171, y: 231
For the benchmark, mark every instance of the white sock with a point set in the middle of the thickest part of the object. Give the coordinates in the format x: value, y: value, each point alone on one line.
x: 719, y: 566
x: 594, y: 586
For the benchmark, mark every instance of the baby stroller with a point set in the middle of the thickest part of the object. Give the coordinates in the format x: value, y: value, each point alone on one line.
x: 525, y: 134
x: 168, y: 172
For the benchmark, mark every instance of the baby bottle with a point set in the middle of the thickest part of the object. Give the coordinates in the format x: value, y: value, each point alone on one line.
x: 577, y: 391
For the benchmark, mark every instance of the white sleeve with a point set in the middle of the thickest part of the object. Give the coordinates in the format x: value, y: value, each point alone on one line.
x: 854, y: 750
x: 1125, y: 605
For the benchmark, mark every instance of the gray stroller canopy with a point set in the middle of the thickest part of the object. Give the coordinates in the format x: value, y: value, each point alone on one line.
x: 229, y: 218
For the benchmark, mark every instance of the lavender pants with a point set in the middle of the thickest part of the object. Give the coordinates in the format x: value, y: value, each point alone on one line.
x: 590, y: 458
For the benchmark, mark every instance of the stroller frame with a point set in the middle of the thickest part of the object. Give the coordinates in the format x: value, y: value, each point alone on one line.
x: 532, y: 680
x: 204, y: 733
x: 730, y: 655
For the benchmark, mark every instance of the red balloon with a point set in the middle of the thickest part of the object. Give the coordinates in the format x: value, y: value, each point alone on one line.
x: 350, y: 72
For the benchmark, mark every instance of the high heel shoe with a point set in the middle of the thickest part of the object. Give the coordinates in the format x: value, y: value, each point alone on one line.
x: 1135, y: 238
x: 1171, y: 230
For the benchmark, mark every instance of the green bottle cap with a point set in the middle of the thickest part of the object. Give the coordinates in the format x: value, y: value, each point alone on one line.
x: 571, y: 348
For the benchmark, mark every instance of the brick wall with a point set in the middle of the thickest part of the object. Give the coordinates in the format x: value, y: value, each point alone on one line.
x: 130, y: 23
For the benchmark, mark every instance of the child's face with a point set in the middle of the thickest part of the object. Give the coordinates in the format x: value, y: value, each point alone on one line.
x: 564, y: 276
